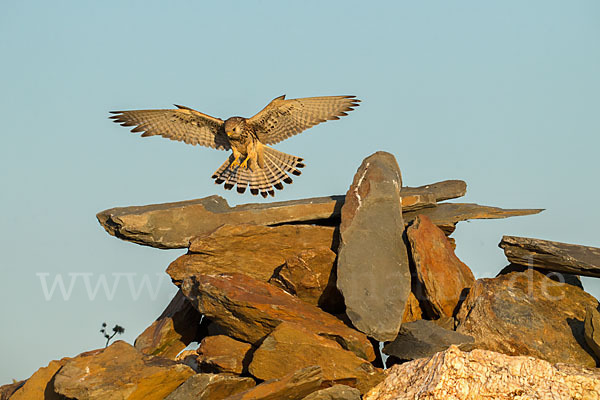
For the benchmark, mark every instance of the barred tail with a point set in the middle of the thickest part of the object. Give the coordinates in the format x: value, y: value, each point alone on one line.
x: 275, y: 169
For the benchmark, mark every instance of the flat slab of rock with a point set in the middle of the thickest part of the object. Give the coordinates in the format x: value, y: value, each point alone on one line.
x: 248, y: 310
x: 424, y: 338
x: 293, y: 386
x: 481, y: 374
x: 336, y: 392
x: 442, y: 276
x: 173, y: 225
x: 311, y: 275
x: 119, y: 372
x: 447, y: 215
x: 526, y: 313
x: 253, y: 250
x: 176, y: 327
x: 553, y: 256
x: 592, y: 330
x: 39, y: 385
x: 222, y: 354
x: 373, y: 268
x: 440, y: 191
x: 211, y: 387
x: 290, y: 347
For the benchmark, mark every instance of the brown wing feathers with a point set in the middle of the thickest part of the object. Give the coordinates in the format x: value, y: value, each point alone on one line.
x: 281, y: 118
x: 184, y: 124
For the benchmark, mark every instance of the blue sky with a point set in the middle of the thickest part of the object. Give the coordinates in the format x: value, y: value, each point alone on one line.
x: 504, y: 95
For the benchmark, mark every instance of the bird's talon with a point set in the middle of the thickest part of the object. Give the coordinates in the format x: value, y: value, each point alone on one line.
x: 244, y: 164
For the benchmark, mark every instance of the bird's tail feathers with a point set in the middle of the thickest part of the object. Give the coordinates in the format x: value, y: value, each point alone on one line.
x: 276, y: 167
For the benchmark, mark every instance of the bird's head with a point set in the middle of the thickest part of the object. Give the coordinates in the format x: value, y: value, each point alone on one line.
x: 234, y: 126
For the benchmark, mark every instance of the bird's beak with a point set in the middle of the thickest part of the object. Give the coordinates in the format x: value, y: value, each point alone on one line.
x: 228, y: 133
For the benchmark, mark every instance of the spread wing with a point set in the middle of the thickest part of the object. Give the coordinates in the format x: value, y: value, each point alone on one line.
x: 281, y: 118
x: 183, y: 124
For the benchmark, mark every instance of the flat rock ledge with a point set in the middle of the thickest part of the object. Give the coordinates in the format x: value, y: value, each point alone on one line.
x: 173, y: 225
x: 552, y: 256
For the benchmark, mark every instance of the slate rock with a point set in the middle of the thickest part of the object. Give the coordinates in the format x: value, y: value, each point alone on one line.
x: 482, y: 374
x: 222, y: 354
x: 424, y: 338
x: 373, y: 269
x: 41, y: 384
x: 311, y: 275
x: 253, y: 250
x: 526, y: 313
x: 336, y: 392
x: 291, y: 347
x: 9, y: 389
x: 412, y: 310
x: 292, y: 386
x: 445, y: 322
x: 211, y: 387
x: 561, y: 277
x: 173, y: 330
x: 173, y: 225
x: 444, y: 278
x: 119, y: 372
x: 446, y: 215
x: 592, y: 330
x: 248, y: 310
x: 553, y: 256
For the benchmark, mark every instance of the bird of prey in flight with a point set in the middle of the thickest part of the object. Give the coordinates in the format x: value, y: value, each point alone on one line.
x: 252, y: 163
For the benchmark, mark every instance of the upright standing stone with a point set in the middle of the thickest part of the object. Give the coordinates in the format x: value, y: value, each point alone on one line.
x: 373, y: 271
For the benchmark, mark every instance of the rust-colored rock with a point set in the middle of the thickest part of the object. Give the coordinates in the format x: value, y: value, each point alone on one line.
x: 40, y: 384
x: 119, y: 372
x: 592, y: 330
x: 222, y: 354
x: 412, y: 311
x: 336, y: 392
x: 526, y: 313
x: 373, y: 267
x: 311, y: 276
x: 293, y: 386
x: 253, y: 250
x: 7, y: 390
x: 481, y: 374
x: 552, y: 256
x: 176, y: 327
x: 211, y: 387
x: 443, y: 277
x: 248, y: 310
x: 447, y: 215
x: 291, y: 347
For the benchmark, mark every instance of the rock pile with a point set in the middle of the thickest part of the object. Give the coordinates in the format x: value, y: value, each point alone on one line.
x: 293, y: 300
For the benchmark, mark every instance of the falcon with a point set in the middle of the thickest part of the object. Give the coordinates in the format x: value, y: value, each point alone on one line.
x: 252, y: 163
